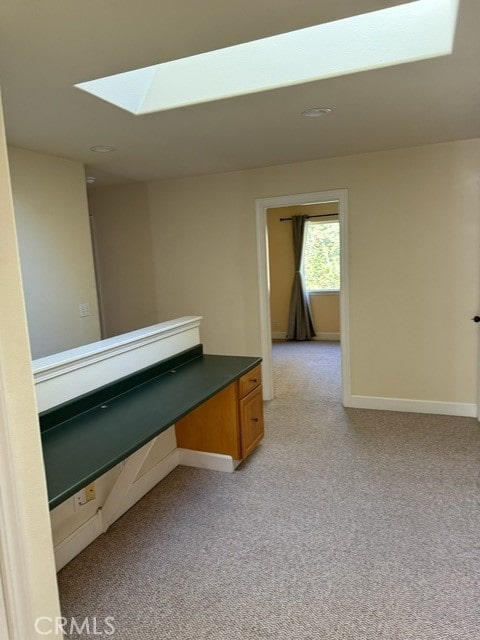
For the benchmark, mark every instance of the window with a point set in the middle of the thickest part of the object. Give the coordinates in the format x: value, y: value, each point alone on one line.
x: 321, y: 256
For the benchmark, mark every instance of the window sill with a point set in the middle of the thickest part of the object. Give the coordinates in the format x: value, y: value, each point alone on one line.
x: 323, y: 292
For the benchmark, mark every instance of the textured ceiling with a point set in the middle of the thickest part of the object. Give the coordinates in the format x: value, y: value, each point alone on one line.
x: 46, y: 47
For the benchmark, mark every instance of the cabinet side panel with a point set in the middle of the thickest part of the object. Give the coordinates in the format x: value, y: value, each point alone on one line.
x: 213, y: 426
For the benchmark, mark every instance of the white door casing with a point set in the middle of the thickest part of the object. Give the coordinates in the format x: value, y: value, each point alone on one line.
x: 261, y: 207
x: 27, y: 569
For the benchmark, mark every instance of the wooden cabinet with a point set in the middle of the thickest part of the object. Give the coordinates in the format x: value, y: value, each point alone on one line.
x: 251, y: 421
x: 250, y: 412
x: 230, y: 423
x: 249, y: 381
x: 213, y: 426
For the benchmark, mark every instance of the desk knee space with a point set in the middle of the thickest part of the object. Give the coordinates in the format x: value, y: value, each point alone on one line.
x: 116, y: 498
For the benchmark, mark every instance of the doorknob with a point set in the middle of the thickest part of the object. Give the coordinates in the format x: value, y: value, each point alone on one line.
x: 476, y: 318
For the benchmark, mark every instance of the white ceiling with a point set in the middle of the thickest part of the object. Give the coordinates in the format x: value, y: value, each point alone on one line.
x: 46, y: 47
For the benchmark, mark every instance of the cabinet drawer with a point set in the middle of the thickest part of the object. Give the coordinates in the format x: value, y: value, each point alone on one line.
x: 249, y: 381
x: 251, y: 421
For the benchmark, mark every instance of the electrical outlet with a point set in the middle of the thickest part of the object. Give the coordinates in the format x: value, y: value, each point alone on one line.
x: 84, y: 309
x: 84, y: 496
x: 90, y: 492
x: 79, y: 499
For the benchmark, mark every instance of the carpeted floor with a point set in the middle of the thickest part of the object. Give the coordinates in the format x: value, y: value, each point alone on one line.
x: 344, y: 525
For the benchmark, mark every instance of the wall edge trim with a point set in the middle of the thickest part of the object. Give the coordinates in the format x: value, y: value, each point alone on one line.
x: 407, y: 405
x: 321, y: 335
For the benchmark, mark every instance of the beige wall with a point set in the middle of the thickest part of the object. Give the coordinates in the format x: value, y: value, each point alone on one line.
x: 326, y: 314
x: 27, y: 569
x: 205, y: 263
x: 51, y: 214
x: 413, y: 261
x: 124, y: 257
x: 325, y: 308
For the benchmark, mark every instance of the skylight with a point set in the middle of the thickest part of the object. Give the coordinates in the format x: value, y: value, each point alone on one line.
x: 404, y: 33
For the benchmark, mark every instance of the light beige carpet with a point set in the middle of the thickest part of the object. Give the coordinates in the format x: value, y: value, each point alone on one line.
x: 344, y: 525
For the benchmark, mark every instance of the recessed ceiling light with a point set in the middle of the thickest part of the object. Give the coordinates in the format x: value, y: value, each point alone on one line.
x: 102, y: 148
x: 90, y: 179
x: 316, y: 112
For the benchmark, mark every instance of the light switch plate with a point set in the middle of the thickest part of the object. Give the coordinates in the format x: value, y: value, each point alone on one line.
x: 84, y: 308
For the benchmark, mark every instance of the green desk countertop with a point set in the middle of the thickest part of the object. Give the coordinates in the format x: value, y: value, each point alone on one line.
x: 79, y: 449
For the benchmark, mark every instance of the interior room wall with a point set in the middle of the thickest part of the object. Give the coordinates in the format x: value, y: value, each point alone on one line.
x: 124, y: 257
x: 205, y: 263
x: 125, y: 274
x: 325, y: 308
x: 51, y: 213
x: 326, y: 315
x: 413, y: 261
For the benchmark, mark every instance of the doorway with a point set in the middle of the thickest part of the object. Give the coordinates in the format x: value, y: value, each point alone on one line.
x: 262, y: 206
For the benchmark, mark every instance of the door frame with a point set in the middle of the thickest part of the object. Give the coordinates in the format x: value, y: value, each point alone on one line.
x: 27, y: 569
x: 261, y: 207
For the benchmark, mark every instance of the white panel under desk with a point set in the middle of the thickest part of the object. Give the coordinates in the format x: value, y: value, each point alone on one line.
x: 66, y: 375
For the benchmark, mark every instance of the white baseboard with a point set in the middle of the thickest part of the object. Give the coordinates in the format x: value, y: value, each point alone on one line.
x: 77, y: 541
x: 205, y: 460
x: 281, y: 335
x: 468, y: 410
x: 92, y: 528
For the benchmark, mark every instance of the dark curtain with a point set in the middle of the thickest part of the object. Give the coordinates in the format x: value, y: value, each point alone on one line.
x: 300, y: 325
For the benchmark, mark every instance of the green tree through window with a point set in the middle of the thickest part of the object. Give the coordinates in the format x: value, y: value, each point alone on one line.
x: 321, y: 256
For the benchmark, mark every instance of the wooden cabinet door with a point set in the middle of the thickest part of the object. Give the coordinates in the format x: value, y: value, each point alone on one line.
x: 251, y: 421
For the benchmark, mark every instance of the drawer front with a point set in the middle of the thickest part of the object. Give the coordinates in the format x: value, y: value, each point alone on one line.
x: 251, y: 421
x: 249, y: 381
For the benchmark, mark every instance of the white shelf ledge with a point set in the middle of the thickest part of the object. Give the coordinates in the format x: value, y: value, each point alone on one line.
x: 63, y: 376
